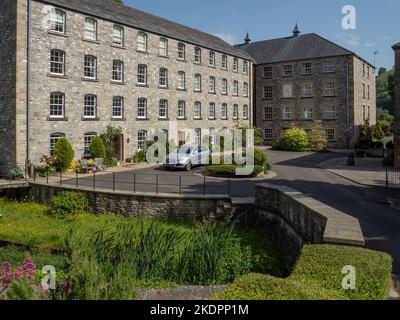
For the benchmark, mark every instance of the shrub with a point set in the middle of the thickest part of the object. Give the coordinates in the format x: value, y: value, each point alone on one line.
x: 74, y: 166
x: 140, y: 157
x: 113, y: 162
x: 63, y: 153
x: 97, y: 148
x: 229, y: 170
x: 68, y: 203
x: 377, y: 133
x: 318, y: 275
x: 110, y: 139
x: 317, y: 138
x: 15, y: 173
x: 260, y: 158
x: 44, y: 170
x: 292, y: 140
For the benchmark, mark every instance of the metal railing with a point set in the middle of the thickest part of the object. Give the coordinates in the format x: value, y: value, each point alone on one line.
x: 392, y: 178
x: 136, y: 182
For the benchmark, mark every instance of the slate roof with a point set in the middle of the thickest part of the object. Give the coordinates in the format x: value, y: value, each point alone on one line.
x: 128, y: 16
x: 303, y: 47
x: 396, y: 46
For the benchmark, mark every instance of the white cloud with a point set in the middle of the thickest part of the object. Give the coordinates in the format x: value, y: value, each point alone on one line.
x: 350, y: 39
x: 230, y: 38
x: 370, y: 44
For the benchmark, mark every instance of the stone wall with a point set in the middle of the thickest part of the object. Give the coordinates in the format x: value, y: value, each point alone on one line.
x: 74, y: 86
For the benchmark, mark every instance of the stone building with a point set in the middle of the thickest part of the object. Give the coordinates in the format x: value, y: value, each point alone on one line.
x: 396, y: 48
x: 302, y: 79
x: 72, y: 68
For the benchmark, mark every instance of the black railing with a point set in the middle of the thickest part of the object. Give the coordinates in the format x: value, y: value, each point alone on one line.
x: 392, y: 178
x: 137, y: 182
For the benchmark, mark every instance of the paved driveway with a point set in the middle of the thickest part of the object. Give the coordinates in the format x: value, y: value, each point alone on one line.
x: 379, y: 222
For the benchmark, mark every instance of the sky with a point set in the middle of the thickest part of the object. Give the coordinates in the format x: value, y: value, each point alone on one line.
x: 377, y: 22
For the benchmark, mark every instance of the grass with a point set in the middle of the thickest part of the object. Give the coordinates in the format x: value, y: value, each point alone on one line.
x: 318, y: 276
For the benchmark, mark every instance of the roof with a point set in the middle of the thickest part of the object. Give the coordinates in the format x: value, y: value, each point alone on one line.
x: 396, y: 46
x: 303, y: 47
x: 111, y: 11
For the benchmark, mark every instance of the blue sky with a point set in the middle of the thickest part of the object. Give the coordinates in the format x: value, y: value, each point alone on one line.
x: 377, y: 29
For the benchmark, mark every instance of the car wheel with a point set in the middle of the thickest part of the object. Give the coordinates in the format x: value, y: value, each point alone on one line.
x: 188, y: 167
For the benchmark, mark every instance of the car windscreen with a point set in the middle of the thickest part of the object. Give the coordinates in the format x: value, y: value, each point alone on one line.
x: 185, y: 151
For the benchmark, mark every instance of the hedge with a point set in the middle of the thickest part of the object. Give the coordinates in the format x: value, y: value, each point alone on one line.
x: 229, y: 170
x: 317, y: 276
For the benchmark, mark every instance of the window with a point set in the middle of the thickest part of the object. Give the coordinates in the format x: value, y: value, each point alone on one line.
x: 308, y: 113
x: 364, y: 113
x: 90, y: 67
x: 245, y: 112
x: 330, y: 135
x: 287, y: 70
x: 330, y: 113
x: 57, y: 103
x: 181, y: 138
x: 57, y: 62
x: 267, y: 93
x: 245, y: 89
x: 142, y: 108
x: 197, y: 55
x: 268, y: 134
x: 212, y: 59
x: 197, y: 136
x: 224, y: 62
x: 307, y: 68
x: 224, y: 111
x: 181, y: 109
x: 329, y: 89
x: 287, y: 91
x: 224, y: 86
x: 163, y: 109
x: 197, y: 110
x: 163, y: 50
x: 54, y: 138
x: 369, y: 113
x: 90, y: 29
x: 363, y: 69
x: 142, y: 42
x: 87, y: 141
x: 363, y: 90
x: 286, y: 113
x: 267, y: 113
x: 235, y: 113
x: 211, y: 133
x: 211, y: 111
x: 118, y: 71
x: 90, y: 106
x: 163, y: 78
x: 181, y: 83
x: 212, y: 85
x: 267, y: 73
x: 368, y: 72
x: 142, y: 140
x: 197, y: 82
x: 118, y: 35
x: 118, y: 107
x: 368, y: 93
x: 235, y: 88
x: 307, y: 90
x: 181, y: 51
x: 57, y: 21
x: 245, y: 67
x: 329, y: 66
x: 142, y: 74
x: 235, y: 64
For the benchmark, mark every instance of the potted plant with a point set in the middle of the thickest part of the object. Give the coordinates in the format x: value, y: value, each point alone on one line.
x: 16, y: 173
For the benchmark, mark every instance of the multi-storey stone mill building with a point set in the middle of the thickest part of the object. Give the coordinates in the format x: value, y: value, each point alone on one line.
x: 303, y: 79
x: 72, y: 68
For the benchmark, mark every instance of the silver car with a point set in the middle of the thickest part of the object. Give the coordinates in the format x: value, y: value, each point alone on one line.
x: 187, y: 157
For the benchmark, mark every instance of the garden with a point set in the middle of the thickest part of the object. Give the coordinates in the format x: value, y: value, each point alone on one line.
x: 112, y: 257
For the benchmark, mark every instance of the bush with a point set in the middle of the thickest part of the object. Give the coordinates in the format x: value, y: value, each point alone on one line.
x: 317, y: 139
x: 229, y: 170
x: 97, y: 148
x: 74, y: 166
x: 15, y: 173
x: 63, y: 153
x: 113, y: 162
x: 44, y: 170
x: 292, y: 140
x: 318, y: 275
x: 68, y: 203
x: 140, y: 157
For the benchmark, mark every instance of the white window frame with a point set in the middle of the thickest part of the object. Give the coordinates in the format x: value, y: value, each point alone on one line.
x: 181, y: 80
x: 163, y: 109
x: 181, y: 109
x: 245, y: 89
x: 118, y: 107
x: 57, y: 21
x: 90, y: 67
x: 287, y: 91
x: 87, y: 140
x: 142, y: 108
x: 235, y: 65
x: 268, y: 93
x: 330, y: 135
x: 212, y: 59
x: 142, y: 74
x: 330, y: 113
x: 142, y: 41
x: 163, y: 47
x: 329, y: 66
x: 197, y: 55
x: 267, y: 72
x: 212, y: 85
x: 118, y: 71
x: 329, y: 89
x: 57, y: 105
x: 224, y: 111
x: 90, y: 109
x: 197, y: 110
x: 163, y: 78
x: 235, y: 89
x: 307, y: 91
x: 181, y: 51
x: 224, y: 62
x: 235, y: 112
x: 224, y: 89
x: 268, y: 113
x: 245, y: 67
x: 197, y: 82
x: 307, y: 68
x: 57, y: 62
x: 90, y: 29
x: 245, y: 112
x: 118, y: 35
x: 287, y: 70
x: 308, y: 113
x: 142, y: 140
x: 286, y: 113
x: 268, y: 134
x: 54, y: 138
x: 211, y: 111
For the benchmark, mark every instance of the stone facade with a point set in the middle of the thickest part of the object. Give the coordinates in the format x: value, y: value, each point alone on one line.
x: 74, y: 87
x: 397, y: 107
x: 351, y: 108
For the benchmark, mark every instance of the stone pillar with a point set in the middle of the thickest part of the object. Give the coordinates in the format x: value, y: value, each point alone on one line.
x: 397, y: 107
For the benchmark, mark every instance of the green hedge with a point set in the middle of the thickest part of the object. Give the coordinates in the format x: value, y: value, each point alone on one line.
x: 293, y: 140
x: 229, y: 170
x: 318, y: 276
x: 68, y: 203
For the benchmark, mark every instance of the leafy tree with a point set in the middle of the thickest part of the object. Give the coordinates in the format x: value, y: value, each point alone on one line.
x: 63, y: 153
x: 97, y: 148
x: 385, y: 91
x: 391, y: 88
x: 384, y: 115
x: 382, y: 71
x: 317, y: 138
x: 110, y: 139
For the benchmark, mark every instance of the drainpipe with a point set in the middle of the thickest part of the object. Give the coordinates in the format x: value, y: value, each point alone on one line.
x: 347, y: 105
x: 28, y: 126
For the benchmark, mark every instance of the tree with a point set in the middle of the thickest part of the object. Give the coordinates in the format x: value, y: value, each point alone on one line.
x: 382, y: 71
x: 63, y: 154
x: 384, y: 91
x: 110, y: 139
x: 391, y: 88
x: 97, y: 148
x: 317, y: 138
